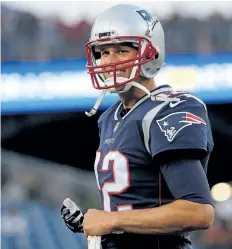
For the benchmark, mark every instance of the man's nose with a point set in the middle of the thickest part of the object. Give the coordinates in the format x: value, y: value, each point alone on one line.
x: 112, y: 58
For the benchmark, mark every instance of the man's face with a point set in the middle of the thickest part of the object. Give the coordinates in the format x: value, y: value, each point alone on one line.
x: 112, y: 53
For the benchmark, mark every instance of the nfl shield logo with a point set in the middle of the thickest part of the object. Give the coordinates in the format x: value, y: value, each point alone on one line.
x: 116, y: 126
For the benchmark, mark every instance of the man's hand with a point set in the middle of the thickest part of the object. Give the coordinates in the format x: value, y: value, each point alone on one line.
x: 97, y: 222
x: 72, y: 216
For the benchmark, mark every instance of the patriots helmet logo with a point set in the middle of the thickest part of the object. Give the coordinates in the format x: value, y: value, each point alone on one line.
x: 148, y: 17
x: 173, y: 123
x: 145, y: 15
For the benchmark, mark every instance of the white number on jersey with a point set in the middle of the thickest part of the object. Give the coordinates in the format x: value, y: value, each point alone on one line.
x: 121, y: 177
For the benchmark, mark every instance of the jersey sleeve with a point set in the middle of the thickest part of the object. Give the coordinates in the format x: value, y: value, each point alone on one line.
x: 184, y: 126
x: 192, y: 186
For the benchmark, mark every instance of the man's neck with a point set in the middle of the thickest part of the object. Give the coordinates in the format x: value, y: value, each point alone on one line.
x: 130, y: 98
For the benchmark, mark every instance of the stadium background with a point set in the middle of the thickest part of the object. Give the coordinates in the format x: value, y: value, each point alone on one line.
x: 48, y: 144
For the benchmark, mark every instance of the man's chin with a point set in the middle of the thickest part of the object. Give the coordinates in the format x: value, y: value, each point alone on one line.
x: 119, y: 79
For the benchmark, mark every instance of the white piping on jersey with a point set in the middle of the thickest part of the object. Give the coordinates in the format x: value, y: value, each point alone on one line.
x: 116, y: 112
x: 147, y: 120
x: 155, y: 92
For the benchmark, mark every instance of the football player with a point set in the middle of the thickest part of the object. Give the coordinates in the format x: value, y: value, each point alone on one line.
x: 155, y: 142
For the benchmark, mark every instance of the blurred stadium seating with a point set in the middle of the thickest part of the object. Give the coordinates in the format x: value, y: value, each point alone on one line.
x: 38, y: 227
x: 29, y: 37
x: 32, y: 191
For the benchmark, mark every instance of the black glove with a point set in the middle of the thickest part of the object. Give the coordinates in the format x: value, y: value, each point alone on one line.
x: 72, y: 215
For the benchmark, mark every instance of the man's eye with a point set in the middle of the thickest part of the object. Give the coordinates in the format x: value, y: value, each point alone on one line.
x: 104, y: 53
x: 122, y: 51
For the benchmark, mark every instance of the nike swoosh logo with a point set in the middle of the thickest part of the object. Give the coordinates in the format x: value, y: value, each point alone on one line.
x: 173, y: 104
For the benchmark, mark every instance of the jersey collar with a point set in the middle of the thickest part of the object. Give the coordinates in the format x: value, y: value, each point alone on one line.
x: 158, y: 90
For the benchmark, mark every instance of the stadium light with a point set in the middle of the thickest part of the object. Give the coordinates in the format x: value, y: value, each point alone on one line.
x: 221, y: 191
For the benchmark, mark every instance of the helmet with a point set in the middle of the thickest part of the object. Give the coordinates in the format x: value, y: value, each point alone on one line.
x: 126, y: 23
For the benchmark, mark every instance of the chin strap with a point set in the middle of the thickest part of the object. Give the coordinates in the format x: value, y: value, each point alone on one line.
x: 97, y: 103
x: 127, y: 87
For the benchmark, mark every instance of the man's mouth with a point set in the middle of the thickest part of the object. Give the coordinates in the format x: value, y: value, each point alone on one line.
x: 119, y: 73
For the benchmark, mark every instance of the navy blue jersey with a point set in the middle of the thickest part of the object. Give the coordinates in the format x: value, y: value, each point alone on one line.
x: 125, y: 166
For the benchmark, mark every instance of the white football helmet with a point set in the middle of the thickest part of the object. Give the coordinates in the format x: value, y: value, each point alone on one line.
x: 125, y: 23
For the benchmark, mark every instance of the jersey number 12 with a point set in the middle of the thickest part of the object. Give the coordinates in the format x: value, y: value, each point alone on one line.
x: 117, y: 164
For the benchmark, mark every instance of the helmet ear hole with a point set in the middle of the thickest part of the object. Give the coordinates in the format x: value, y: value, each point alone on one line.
x: 96, y: 54
x: 157, y: 55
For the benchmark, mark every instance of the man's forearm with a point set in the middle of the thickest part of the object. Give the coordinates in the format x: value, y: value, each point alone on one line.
x: 171, y: 218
